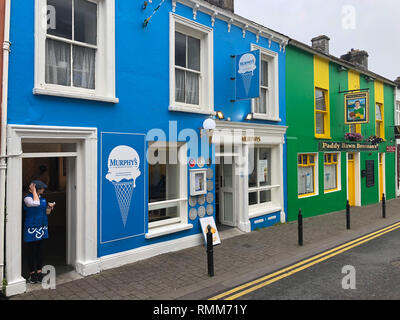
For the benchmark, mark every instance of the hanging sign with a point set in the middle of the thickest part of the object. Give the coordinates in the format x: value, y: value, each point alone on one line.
x: 356, y: 108
x: 247, y: 84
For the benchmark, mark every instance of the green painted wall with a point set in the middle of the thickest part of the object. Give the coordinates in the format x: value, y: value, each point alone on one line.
x: 301, y: 138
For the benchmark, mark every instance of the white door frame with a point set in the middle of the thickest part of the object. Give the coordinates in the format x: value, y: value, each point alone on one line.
x: 87, y: 261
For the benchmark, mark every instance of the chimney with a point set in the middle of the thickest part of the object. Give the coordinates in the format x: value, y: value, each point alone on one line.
x: 397, y: 81
x: 224, y: 4
x: 357, y: 57
x: 321, y: 43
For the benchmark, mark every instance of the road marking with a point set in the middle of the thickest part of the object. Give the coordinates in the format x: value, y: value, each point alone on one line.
x: 285, y: 272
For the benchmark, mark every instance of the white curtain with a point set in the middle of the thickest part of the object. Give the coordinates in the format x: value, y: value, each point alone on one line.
x: 192, y: 88
x: 305, y: 180
x: 330, y: 179
x: 179, y: 85
x: 58, y: 63
x: 84, y: 67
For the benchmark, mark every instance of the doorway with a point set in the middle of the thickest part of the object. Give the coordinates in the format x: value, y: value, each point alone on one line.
x: 53, y: 171
x: 351, y: 178
x: 225, y: 194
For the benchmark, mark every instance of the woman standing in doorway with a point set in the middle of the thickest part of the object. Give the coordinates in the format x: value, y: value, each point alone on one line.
x: 36, y: 228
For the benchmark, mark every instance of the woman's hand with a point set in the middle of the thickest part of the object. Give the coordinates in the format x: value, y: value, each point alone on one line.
x: 32, y: 189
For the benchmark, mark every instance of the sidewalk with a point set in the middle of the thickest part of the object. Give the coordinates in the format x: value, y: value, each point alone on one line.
x: 183, y: 274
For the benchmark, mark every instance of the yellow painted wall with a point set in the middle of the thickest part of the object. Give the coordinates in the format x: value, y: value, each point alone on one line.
x: 321, y: 81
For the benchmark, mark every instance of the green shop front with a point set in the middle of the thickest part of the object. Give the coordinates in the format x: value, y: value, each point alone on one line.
x: 340, y: 137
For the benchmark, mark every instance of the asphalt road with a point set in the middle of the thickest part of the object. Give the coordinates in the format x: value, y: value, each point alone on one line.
x: 377, y: 275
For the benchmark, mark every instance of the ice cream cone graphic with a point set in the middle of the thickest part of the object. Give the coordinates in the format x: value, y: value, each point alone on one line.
x: 247, y: 66
x: 123, y: 170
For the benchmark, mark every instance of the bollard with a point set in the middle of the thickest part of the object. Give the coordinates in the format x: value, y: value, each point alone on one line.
x: 210, y: 252
x: 383, y: 206
x: 300, y: 228
x: 348, y: 215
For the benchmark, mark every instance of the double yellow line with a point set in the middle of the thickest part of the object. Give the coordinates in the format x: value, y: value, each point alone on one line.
x: 304, y: 264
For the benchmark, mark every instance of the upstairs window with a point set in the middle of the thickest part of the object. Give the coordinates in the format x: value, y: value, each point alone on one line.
x: 379, y: 121
x: 75, y: 52
x: 321, y: 113
x: 71, y: 47
x: 397, y: 113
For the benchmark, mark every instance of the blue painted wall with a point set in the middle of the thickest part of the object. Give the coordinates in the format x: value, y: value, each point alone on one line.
x: 142, y: 84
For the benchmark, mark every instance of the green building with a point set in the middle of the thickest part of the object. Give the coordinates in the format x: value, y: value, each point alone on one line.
x: 340, y: 135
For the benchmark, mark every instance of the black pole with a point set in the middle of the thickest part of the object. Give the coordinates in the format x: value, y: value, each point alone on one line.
x: 210, y: 252
x: 348, y: 215
x: 383, y: 206
x: 300, y: 228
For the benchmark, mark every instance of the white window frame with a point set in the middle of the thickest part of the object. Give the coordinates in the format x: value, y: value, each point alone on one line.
x: 206, y: 85
x: 275, y: 186
x: 338, y: 172
x: 273, y: 85
x: 105, y: 56
x: 397, y: 110
x: 181, y: 201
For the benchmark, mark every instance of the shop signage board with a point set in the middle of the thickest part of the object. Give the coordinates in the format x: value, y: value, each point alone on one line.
x: 356, y: 108
x: 122, y: 186
x: 204, y: 223
x: 391, y: 149
x: 248, y: 73
x: 347, y: 146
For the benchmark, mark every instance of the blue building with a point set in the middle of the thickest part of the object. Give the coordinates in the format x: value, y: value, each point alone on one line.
x: 111, y: 109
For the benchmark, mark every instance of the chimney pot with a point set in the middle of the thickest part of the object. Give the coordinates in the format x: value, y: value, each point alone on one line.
x: 357, y: 57
x: 321, y: 43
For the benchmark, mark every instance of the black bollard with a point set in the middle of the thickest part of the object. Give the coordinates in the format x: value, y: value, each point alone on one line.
x: 300, y: 228
x: 383, y: 206
x: 210, y: 252
x: 348, y: 215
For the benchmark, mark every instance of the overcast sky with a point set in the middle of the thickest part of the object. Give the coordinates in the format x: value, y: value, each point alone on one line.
x: 371, y: 25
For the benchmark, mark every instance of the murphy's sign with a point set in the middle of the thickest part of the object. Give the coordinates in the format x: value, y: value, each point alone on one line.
x: 347, y: 146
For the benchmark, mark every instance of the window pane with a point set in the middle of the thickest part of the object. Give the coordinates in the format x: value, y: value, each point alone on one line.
x: 320, y: 100
x: 179, y: 85
x: 63, y: 9
x: 58, y: 63
x: 378, y: 129
x: 264, y: 167
x: 265, y: 196
x: 264, y: 73
x: 180, y: 49
x: 253, y: 198
x: 378, y: 112
x: 320, y: 123
x: 252, y: 168
x: 85, y: 23
x: 163, y: 214
x: 163, y: 179
x: 192, y: 88
x: 262, y: 102
x: 305, y: 180
x: 193, y: 53
x: 330, y: 178
x: 84, y: 67
x: 352, y: 128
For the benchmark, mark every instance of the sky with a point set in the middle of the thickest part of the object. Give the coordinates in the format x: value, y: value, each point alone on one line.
x: 370, y: 25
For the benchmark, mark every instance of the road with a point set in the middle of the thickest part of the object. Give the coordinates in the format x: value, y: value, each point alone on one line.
x: 376, y: 262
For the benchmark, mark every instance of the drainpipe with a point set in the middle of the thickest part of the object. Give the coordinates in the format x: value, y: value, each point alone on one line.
x: 3, y: 142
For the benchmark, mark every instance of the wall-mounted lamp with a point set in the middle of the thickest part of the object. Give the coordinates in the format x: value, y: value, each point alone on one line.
x: 249, y: 116
x: 369, y: 79
x: 342, y: 68
x: 220, y: 115
x: 209, y: 126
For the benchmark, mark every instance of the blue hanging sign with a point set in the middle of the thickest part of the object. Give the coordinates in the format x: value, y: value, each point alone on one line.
x: 247, y: 84
x: 123, y: 206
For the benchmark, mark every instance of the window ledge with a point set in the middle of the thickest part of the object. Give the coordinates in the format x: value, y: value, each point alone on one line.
x: 332, y: 191
x: 74, y: 95
x: 258, y: 116
x: 258, y: 212
x: 162, y: 231
x: 308, y: 196
x: 199, y: 110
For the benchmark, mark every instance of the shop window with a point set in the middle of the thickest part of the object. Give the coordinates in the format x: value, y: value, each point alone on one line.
x: 331, y: 172
x: 322, y: 125
x: 191, y: 73
x: 75, y: 54
x: 260, y: 176
x: 167, y: 187
x: 379, y: 121
x: 306, y: 174
x: 267, y: 106
x: 397, y: 113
